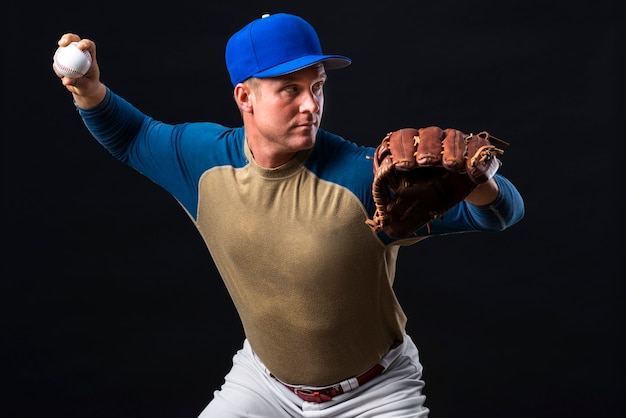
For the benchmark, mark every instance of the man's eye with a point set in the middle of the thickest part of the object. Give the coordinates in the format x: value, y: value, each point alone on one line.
x: 318, y: 87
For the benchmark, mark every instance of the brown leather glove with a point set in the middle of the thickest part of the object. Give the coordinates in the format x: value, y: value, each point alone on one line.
x: 420, y: 174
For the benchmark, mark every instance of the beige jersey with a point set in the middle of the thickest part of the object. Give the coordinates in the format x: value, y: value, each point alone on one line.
x: 312, y: 283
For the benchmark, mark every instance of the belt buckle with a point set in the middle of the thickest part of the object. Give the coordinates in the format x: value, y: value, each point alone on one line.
x: 313, y: 395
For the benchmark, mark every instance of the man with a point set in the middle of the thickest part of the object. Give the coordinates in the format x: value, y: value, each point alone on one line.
x: 284, y: 221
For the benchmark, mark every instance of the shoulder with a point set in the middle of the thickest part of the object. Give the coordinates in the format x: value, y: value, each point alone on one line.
x: 210, y: 131
x: 339, y: 160
x: 335, y: 146
x: 210, y: 143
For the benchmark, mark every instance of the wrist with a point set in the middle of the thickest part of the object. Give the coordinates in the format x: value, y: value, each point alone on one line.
x: 484, y: 194
x: 91, y: 98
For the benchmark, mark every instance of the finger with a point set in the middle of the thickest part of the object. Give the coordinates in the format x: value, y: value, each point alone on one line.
x: 88, y: 45
x: 68, y: 38
x: 482, y: 161
x: 401, y: 145
x: 454, y: 150
x: 68, y: 81
x: 429, y: 146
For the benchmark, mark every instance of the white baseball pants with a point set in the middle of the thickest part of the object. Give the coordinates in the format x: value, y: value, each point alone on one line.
x: 250, y: 391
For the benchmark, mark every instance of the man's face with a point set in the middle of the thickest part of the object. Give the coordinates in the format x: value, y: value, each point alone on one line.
x: 287, y: 110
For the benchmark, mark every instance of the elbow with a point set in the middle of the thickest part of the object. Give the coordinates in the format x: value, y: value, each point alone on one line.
x: 512, y: 216
x: 509, y: 207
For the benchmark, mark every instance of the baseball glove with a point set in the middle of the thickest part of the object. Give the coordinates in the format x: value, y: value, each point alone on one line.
x: 420, y: 174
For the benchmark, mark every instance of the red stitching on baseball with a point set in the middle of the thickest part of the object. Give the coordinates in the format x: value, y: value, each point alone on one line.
x: 63, y: 68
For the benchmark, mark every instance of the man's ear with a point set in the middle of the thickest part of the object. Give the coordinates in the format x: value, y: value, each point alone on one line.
x: 242, y: 95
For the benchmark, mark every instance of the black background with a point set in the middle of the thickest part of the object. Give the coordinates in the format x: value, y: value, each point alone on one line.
x: 113, y: 307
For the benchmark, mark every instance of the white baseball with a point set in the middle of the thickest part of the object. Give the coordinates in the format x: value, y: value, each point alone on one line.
x: 71, y: 61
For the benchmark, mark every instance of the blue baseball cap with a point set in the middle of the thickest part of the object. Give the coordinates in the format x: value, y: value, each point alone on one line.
x: 275, y: 45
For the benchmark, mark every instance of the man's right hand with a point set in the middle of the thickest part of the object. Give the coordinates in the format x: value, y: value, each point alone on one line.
x: 88, y: 91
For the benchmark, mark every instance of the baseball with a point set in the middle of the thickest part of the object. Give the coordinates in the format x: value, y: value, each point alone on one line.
x: 71, y: 62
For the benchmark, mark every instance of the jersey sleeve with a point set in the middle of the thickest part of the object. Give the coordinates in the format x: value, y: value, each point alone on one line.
x: 172, y: 155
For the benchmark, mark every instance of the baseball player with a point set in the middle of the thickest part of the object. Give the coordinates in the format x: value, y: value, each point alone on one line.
x: 283, y: 207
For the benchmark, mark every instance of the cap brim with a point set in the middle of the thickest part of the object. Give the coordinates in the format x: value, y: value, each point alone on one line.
x: 331, y: 62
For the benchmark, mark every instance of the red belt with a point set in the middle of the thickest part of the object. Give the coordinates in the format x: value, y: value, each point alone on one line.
x: 326, y: 394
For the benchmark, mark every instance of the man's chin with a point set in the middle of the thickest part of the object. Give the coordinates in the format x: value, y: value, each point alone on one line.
x: 307, y: 133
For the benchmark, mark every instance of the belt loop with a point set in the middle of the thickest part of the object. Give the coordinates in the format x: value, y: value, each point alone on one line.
x: 350, y: 384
